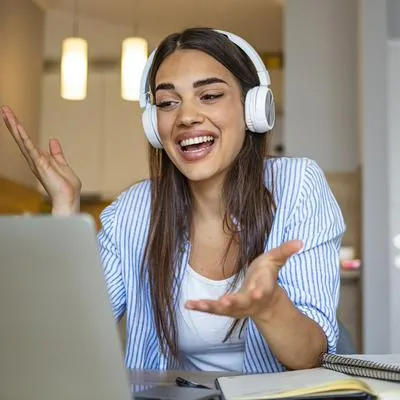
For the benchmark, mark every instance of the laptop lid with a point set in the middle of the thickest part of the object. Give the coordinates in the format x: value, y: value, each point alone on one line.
x: 58, y: 338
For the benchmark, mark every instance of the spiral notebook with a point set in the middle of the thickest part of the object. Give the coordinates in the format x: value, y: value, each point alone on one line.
x: 385, y: 367
x: 317, y: 383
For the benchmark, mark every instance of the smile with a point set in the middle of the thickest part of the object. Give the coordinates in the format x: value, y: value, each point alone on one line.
x: 197, y: 143
x: 196, y: 148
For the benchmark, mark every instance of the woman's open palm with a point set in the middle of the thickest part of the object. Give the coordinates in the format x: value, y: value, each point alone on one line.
x: 259, y: 286
x: 50, y: 167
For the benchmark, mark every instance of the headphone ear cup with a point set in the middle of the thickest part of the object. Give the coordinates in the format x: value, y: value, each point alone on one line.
x: 149, y: 121
x: 259, y: 109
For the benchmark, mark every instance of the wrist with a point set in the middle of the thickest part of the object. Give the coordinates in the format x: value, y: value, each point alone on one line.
x: 66, y: 209
x: 268, y: 314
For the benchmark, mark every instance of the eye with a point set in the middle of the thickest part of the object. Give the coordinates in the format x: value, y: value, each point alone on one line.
x: 166, y: 104
x: 211, y: 97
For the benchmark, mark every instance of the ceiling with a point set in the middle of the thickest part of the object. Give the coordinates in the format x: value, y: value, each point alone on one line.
x: 256, y: 20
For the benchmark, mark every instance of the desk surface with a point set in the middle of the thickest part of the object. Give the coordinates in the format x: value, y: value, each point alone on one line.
x: 143, y: 377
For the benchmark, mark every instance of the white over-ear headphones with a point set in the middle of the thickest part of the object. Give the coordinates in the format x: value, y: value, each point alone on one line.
x: 259, y: 103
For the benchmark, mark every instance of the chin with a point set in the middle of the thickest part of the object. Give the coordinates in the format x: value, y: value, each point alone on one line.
x: 203, y: 170
x: 198, y: 177
x: 200, y: 174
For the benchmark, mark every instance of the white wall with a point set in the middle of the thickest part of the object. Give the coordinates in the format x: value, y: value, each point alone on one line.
x: 393, y: 16
x: 320, y: 82
x: 380, y: 104
x: 21, y: 58
x: 393, y: 88
x: 393, y: 94
x: 375, y: 153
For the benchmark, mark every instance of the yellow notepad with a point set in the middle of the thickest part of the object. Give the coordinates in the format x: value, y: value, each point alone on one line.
x: 307, y: 382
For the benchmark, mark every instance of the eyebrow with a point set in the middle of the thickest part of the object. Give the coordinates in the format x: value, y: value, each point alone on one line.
x: 197, y: 84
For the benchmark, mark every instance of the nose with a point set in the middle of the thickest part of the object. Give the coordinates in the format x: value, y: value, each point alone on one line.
x: 189, y: 114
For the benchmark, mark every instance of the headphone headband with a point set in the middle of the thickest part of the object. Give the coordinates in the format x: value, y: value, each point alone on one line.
x: 262, y: 72
x: 144, y: 95
x: 263, y: 75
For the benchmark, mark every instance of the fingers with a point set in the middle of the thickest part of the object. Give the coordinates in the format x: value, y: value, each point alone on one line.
x: 217, y: 307
x: 11, y: 122
x: 235, y: 305
x: 60, y: 165
x: 56, y: 151
x: 278, y: 256
x: 15, y: 129
x: 6, y: 119
x: 37, y: 160
x: 32, y: 150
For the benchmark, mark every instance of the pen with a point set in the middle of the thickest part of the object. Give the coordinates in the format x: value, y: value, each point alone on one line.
x: 185, y: 383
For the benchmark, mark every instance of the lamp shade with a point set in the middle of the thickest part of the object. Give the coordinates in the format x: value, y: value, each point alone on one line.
x: 74, y: 66
x: 134, y: 57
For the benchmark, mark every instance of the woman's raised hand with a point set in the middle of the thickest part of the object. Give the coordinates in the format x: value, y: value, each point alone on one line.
x: 257, y: 296
x: 50, y: 167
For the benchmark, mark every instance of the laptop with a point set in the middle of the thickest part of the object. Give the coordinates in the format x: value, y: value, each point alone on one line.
x: 58, y: 338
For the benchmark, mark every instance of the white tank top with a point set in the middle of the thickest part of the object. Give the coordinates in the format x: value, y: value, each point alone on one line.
x: 201, y: 335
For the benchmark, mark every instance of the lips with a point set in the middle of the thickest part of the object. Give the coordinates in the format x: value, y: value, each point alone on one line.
x: 194, y: 134
x: 195, y: 146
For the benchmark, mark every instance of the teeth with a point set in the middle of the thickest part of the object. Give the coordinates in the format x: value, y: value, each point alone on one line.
x: 196, y: 140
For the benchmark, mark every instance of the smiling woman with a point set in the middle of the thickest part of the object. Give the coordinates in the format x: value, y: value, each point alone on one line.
x: 226, y: 258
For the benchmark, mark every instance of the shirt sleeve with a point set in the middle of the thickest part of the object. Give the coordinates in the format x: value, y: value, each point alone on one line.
x: 311, y: 278
x: 111, y: 261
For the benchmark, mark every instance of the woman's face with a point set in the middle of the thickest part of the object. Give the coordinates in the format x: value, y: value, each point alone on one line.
x: 199, y: 113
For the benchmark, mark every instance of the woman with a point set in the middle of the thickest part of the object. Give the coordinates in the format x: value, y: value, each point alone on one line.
x: 225, y: 259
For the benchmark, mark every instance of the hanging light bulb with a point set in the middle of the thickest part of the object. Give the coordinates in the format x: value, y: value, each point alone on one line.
x: 134, y: 57
x: 74, y: 64
x: 133, y: 60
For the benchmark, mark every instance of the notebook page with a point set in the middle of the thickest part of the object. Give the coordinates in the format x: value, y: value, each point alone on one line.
x: 264, y: 385
x: 386, y: 390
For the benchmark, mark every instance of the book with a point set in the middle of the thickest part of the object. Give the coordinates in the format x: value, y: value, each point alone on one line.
x: 315, y: 383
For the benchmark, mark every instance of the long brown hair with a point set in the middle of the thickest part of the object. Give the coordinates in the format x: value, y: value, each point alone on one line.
x: 244, y: 191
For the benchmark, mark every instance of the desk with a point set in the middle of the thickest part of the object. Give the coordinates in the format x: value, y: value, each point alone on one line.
x: 149, y: 377
x: 142, y: 380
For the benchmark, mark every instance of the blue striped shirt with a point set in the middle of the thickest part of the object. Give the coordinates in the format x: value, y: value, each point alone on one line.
x: 306, y: 210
